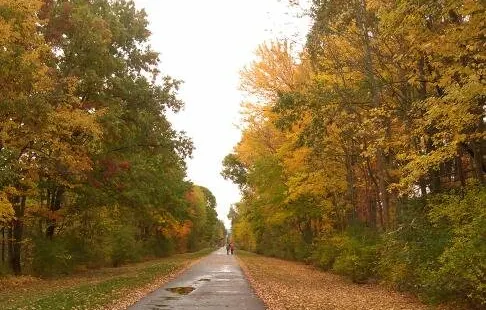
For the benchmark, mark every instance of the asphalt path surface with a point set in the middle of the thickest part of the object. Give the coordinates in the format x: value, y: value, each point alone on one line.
x: 215, y: 282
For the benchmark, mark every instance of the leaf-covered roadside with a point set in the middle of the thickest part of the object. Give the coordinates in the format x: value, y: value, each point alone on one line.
x: 291, y: 285
x: 107, y: 288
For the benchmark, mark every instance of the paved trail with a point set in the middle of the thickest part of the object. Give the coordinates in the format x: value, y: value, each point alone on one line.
x: 216, y: 282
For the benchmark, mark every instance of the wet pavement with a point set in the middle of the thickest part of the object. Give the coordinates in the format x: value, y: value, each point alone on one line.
x: 215, y: 282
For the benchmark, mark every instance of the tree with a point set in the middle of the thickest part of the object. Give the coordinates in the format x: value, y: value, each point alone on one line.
x: 381, y: 114
x: 43, y: 129
x: 83, y: 122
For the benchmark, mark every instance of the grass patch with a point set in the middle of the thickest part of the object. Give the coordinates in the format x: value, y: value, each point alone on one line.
x: 91, y: 289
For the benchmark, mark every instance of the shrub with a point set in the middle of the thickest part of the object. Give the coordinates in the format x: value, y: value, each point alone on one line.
x: 325, y: 253
x: 410, y: 252
x: 439, y: 250
x: 124, y: 247
x: 4, y: 269
x: 160, y: 246
x: 300, y: 249
x: 356, y: 260
x: 462, y: 269
x: 51, y: 257
x: 91, y: 252
x: 353, y: 253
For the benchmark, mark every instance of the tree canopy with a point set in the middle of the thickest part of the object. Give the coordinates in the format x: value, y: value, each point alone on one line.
x: 364, y: 137
x: 92, y: 171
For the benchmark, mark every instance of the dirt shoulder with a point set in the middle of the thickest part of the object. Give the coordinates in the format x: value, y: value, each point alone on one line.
x: 291, y: 285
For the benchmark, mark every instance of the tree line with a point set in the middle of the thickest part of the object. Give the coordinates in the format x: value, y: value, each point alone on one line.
x: 365, y: 152
x: 91, y: 171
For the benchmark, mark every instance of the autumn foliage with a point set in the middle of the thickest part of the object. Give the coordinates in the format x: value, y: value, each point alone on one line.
x: 91, y: 171
x: 361, y: 154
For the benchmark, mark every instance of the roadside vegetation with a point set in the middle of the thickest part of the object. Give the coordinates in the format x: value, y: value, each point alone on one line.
x: 105, y: 288
x: 92, y: 174
x: 364, y: 152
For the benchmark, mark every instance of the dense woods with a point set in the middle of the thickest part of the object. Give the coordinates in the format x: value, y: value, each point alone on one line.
x: 365, y: 152
x: 91, y: 171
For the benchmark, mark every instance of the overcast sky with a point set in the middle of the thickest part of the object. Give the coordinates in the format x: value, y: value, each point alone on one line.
x: 206, y: 44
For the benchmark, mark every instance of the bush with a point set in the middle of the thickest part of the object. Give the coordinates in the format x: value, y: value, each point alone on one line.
x: 353, y: 254
x: 160, y: 246
x: 356, y: 260
x: 325, y: 254
x: 462, y: 264
x: 439, y: 250
x: 124, y: 247
x: 51, y: 257
x: 85, y: 252
x: 4, y: 269
x: 411, y: 251
x: 300, y: 250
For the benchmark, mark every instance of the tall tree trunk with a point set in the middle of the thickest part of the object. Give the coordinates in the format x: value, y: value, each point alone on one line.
x: 434, y: 174
x: 375, y: 212
x: 375, y: 93
x: 3, y: 245
x: 17, y: 231
x: 306, y: 231
x: 351, y: 184
x: 54, y: 199
x: 10, y: 243
x: 460, y: 168
x: 423, y: 187
x: 371, y: 202
x: 422, y: 91
x: 383, y: 192
x: 478, y: 162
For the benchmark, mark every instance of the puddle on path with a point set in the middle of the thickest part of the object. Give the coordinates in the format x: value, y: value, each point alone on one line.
x: 182, y: 290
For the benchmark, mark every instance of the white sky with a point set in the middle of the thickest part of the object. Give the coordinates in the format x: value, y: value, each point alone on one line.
x: 206, y: 44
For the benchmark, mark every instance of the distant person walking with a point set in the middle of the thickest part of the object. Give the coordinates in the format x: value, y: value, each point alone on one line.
x: 232, y: 247
x: 228, y: 248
